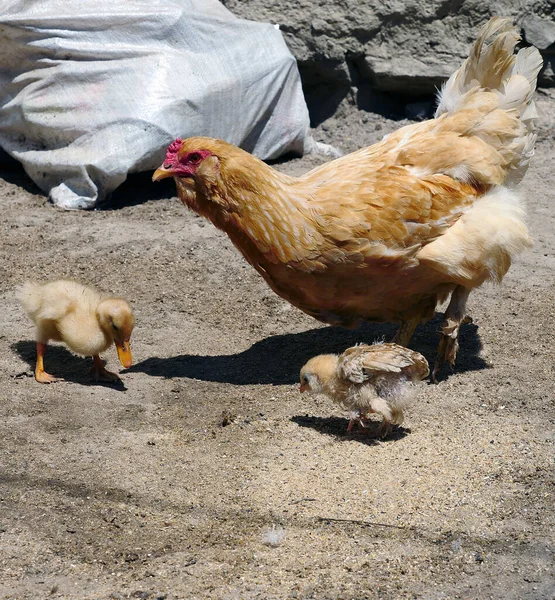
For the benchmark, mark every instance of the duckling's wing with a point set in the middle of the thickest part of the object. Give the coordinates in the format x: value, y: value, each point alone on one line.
x: 58, y: 299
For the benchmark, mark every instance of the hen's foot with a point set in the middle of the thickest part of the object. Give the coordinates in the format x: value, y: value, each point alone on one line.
x: 448, y: 344
x: 100, y: 373
x: 453, y: 319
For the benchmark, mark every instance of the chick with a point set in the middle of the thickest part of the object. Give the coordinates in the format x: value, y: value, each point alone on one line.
x: 367, y: 379
x: 87, y: 321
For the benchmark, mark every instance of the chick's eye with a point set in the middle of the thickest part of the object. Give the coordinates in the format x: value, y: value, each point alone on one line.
x: 195, y: 158
x: 116, y: 328
x: 305, y: 378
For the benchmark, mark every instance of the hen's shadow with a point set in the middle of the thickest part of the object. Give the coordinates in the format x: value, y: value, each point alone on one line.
x: 277, y: 359
x: 61, y: 363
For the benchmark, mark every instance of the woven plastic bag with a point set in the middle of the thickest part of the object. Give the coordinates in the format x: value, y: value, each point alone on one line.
x: 92, y: 90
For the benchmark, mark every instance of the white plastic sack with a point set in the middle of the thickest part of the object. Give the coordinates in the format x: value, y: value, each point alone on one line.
x: 92, y: 90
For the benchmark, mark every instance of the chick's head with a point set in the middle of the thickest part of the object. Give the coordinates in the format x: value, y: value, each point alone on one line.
x: 116, y: 318
x: 319, y: 373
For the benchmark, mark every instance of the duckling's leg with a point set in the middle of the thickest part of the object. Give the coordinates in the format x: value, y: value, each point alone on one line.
x: 99, y: 372
x: 40, y: 374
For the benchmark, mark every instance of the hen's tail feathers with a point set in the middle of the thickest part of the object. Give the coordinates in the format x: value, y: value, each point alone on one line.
x: 481, y: 245
x: 494, y: 68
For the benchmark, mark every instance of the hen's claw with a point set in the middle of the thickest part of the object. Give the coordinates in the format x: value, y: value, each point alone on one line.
x: 448, y: 344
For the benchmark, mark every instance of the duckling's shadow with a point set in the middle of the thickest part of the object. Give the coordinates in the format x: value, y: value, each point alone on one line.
x: 336, y: 427
x: 59, y: 362
x: 277, y: 360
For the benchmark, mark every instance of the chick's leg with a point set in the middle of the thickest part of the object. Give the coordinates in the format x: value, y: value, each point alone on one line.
x: 360, y: 419
x: 384, y: 429
x: 99, y: 372
x: 40, y: 374
x: 454, y: 317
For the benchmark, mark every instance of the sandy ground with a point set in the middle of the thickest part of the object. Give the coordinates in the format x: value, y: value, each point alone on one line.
x: 175, y: 484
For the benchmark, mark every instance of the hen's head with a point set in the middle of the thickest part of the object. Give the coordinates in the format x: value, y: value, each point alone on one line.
x: 202, y: 169
x: 191, y: 161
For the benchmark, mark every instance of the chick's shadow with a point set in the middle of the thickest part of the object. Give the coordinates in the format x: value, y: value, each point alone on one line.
x: 336, y: 427
x: 61, y: 363
x: 277, y: 360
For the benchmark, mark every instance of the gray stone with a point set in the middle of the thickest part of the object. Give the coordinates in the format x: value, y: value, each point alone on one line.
x: 538, y: 32
x: 405, y: 47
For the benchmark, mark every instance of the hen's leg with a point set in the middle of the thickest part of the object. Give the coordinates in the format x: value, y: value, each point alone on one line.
x: 40, y: 374
x: 99, y: 372
x: 449, y: 341
x: 405, y: 331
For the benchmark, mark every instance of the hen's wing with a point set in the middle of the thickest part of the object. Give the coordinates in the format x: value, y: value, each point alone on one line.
x: 360, y: 363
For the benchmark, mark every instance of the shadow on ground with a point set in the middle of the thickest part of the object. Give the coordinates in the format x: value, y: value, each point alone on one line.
x: 277, y: 360
x: 61, y: 363
x: 337, y: 428
x: 138, y: 188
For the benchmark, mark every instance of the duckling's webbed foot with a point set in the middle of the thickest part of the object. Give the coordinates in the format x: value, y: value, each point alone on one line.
x: 40, y: 374
x: 100, y: 373
x: 44, y: 377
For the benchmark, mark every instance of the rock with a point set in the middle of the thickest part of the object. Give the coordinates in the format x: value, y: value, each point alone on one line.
x: 402, y: 47
x: 538, y: 32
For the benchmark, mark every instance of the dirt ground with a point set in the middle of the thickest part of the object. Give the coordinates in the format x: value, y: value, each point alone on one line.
x: 207, y: 474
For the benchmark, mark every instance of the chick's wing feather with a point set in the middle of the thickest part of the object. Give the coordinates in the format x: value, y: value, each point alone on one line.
x: 360, y: 363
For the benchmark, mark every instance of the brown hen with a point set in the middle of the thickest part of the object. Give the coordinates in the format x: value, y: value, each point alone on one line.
x: 391, y: 231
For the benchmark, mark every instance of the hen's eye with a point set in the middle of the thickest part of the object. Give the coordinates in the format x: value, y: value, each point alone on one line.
x: 116, y: 328
x: 195, y: 158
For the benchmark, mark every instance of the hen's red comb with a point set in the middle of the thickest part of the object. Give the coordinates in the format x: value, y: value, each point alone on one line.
x: 173, y: 149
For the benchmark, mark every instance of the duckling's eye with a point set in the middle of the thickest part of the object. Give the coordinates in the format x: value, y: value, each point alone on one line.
x: 116, y: 328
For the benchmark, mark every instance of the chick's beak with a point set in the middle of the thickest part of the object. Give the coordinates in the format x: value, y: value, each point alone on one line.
x: 304, y: 387
x: 124, y: 353
x: 162, y: 173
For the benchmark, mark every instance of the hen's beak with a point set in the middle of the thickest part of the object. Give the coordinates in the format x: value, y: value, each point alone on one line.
x: 124, y: 353
x: 304, y: 387
x: 162, y: 173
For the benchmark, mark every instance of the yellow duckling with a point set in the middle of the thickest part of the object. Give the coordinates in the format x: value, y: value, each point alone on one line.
x: 87, y: 321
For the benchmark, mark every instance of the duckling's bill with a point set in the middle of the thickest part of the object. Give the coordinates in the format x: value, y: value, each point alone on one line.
x: 124, y: 353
